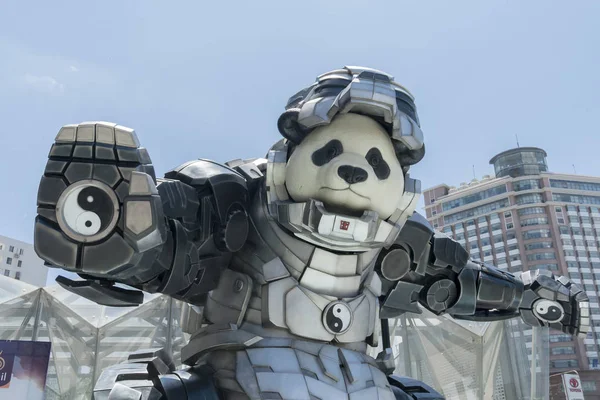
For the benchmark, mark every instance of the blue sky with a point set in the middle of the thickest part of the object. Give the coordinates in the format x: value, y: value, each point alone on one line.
x: 209, y: 79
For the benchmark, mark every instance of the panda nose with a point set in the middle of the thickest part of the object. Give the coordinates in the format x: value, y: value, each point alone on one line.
x: 352, y: 174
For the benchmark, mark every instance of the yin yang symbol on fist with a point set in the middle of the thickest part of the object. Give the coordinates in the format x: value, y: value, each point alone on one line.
x: 87, y: 211
x: 548, y: 310
x: 337, y: 317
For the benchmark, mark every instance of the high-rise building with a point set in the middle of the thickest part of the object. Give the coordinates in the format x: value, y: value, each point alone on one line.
x: 19, y: 261
x: 529, y: 218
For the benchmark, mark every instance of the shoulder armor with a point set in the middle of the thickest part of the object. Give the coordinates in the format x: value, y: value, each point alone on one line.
x: 416, y: 234
x: 228, y: 186
x: 253, y: 170
x: 201, y: 172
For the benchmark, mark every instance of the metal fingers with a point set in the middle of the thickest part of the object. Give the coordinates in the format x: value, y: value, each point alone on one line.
x: 555, y: 302
x: 97, y: 202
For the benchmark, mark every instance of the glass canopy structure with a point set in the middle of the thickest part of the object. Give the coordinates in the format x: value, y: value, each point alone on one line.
x: 463, y: 360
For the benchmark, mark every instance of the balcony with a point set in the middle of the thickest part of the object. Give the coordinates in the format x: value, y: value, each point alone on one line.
x: 488, y: 259
x: 459, y: 230
x: 501, y: 254
x: 585, y: 270
x: 576, y: 280
x: 578, y: 237
x: 591, y: 354
x: 511, y: 241
x: 565, y: 236
x: 583, y: 258
x: 499, y: 244
x: 570, y: 258
x: 484, y: 235
x: 588, y: 281
x: 573, y: 270
x: 586, y: 225
x: 497, y: 232
x: 595, y: 259
x: 502, y: 266
x: 471, y: 228
x: 572, y: 213
x: 513, y: 252
x: 589, y: 341
x: 486, y: 248
x: 580, y: 248
x: 515, y: 263
x: 568, y: 247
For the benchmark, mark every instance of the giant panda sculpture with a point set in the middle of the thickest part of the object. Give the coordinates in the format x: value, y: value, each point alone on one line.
x: 290, y: 266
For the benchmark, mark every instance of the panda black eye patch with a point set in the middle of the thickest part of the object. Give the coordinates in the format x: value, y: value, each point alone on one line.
x: 376, y: 161
x: 327, y: 153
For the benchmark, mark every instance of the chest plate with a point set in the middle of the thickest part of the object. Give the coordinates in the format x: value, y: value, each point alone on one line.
x: 290, y: 305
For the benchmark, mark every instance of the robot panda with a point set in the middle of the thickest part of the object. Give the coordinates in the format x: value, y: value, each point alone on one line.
x: 289, y: 266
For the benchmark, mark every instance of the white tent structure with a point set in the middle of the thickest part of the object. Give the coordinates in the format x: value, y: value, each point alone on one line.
x: 462, y: 360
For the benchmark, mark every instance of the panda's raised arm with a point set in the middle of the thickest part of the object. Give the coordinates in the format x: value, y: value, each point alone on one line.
x: 429, y: 269
x: 108, y: 219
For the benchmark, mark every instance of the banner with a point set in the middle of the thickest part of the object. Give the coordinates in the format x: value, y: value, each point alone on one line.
x: 572, y: 385
x: 23, y: 369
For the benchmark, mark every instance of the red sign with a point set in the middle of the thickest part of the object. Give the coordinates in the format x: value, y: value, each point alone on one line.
x: 573, y: 382
x: 344, y: 225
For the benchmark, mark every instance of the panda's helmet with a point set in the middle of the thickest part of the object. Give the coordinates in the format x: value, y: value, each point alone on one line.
x: 357, y: 90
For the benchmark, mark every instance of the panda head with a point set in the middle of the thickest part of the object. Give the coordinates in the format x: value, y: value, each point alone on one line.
x: 340, y: 179
x: 350, y: 165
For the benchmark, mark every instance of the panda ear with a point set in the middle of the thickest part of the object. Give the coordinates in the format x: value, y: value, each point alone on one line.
x: 408, y: 157
x: 289, y: 127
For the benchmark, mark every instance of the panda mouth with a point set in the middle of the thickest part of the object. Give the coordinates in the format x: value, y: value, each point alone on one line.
x: 349, y: 189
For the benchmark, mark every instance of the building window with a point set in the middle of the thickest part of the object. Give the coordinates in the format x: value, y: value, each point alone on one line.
x: 8, y: 260
x: 531, y: 210
x: 1, y: 246
x: 6, y: 272
x: 556, y: 338
x: 588, y: 386
x: 537, y: 234
x: 571, y: 198
x: 18, y: 275
x: 539, y: 245
x: 509, y: 225
x: 564, y: 364
x: 507, y: 214
x: 574, y: 185
x: 548, y: 267
x: 476, y: 211
x: 556, y: 351
x: 560, y: 220
x: 11, y: 249
x: 541, y: 256
x: 529, y: 198
x: 495, y: 191
x: 534, y: 221
x: 20, y: 252
x: 526, y: 184
x: 19, y: 263
x: 433, y: 212
x: 564, y: 230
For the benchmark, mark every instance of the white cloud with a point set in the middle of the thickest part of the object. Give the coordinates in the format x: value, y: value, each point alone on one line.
x: 73, y: 68
x: 45, y: 84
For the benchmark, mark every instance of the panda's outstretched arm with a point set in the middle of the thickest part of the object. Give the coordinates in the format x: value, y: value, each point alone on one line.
x: 106, y: 217
x: 429, y: 269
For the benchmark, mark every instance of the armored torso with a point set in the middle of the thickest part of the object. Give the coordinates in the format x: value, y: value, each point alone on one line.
x: 299, y: 314
x: 296, y: 287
